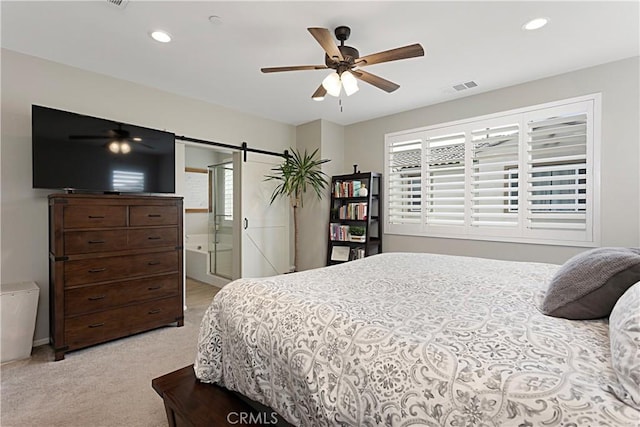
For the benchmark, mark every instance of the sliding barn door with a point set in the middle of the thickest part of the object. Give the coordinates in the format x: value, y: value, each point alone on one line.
x: 265, y: 226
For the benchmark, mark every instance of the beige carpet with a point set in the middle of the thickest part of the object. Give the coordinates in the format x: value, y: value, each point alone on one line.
x: 104, y: 385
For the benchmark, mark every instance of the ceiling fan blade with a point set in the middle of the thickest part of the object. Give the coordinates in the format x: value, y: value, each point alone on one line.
x: 323, y: 36
x: 410, y: 51
x: 293, y: 68
x: 320, y: 92
x: 376, y: 81
x: 89, y: 137
x: 144, y: 145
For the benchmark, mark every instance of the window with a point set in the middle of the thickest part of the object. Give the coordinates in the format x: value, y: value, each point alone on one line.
x: 494, y: 174
x: 524, y: 175
x: 404, y: 183
x: 444, y: 190
x: 559, y: 167
x: 228, y: 192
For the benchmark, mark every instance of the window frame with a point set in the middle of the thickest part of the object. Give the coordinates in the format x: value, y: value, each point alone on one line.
x: 521, y: 233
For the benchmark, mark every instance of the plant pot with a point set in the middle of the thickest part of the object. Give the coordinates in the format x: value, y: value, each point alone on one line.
x: 361, y: 239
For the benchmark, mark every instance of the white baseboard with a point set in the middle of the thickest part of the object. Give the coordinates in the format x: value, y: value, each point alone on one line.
x: 38, y: 343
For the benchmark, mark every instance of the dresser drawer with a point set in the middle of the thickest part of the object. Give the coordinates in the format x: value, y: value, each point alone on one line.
x: 101, y: 297
x: 153, y: 237
x: 81, y: 242
x: 153, y: 215
x: 119, y: 267
x: 103, y: 326
x: 94, y: 216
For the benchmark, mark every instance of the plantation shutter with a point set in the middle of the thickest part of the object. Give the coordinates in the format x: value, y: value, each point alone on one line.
x: 444, y: 184
x: 527, y: 175
x: 404, y: 183
x: 559, y: 173
x: 494, y: 174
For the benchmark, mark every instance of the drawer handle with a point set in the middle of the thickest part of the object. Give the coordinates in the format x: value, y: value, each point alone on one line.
x: 96, y: 241
x: 96, y: 325
x: 156, y: 311
x: 96, y: 216
x: 153, y: 262
x: 99, y: 297
x: 97, y: 270
x: 154, y: 238
x: 154, y: 288
x: 154, y: 215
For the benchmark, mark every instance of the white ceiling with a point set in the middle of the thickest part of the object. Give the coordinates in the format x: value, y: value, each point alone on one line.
x: 463, y: 41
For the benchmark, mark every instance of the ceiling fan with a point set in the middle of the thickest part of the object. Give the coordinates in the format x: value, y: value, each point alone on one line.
x: 347, y: 63
x: 117, y: 139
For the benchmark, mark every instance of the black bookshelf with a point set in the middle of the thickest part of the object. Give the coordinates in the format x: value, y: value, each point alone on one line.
x: 352, y: 210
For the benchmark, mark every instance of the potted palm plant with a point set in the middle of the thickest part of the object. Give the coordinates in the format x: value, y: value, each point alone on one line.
x: 296, y: 174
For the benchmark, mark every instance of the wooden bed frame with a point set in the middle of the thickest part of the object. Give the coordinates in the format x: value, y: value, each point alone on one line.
x: 191, y: 403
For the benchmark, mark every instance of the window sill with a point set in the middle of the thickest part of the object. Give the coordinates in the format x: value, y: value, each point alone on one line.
x: 568, y: 243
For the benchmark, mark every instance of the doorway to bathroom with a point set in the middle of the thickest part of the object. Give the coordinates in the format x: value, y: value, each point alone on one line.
x: 232, y: 228
x: 205, y: 195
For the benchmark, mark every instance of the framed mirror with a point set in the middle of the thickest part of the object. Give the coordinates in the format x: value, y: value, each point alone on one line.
x: 197, y: 193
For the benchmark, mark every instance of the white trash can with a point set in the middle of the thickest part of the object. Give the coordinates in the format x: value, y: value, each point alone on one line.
x: 18, y: 309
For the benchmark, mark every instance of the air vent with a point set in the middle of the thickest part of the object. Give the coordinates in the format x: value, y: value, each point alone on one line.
x: 467, y: 85
x: 121, y: 4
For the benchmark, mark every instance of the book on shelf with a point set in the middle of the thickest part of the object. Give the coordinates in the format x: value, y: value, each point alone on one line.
x: 353, y: 211
x: 357, y: 253
x: 347, y: 188
x: 338, y: 232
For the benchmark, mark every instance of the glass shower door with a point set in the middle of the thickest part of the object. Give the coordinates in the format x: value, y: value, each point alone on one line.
x: 221, y: 220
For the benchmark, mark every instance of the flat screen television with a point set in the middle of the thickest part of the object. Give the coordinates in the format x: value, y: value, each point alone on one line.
x: 79, y: 153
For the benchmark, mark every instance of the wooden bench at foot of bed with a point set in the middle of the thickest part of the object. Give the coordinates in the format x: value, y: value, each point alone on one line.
x: 191, y: 403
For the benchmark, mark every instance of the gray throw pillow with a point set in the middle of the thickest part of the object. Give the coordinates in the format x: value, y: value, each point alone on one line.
x: 588, y: 285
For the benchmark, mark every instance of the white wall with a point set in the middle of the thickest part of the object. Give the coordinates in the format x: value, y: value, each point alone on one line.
x: 620, y: 183
x: 27, y: 80
x: 309, y: 138
x: 328, y: 138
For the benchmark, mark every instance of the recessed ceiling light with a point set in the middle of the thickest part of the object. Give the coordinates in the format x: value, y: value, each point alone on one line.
x: 161, y: 36
x: 535, y: 24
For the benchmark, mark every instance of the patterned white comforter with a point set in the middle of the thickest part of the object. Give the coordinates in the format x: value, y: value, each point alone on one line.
x: 408, y: 339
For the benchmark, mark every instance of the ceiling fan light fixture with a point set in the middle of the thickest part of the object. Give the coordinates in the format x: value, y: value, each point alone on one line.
x: 318, y: 98
x: 349, y: 83
x: 117, y: 147
x: 332, y: 84
x: 125, y: 148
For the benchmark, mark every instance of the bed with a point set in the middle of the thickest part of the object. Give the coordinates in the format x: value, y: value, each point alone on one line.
x: 406, y: 339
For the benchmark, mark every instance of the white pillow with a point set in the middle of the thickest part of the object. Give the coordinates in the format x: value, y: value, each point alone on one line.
x: 624, y: 333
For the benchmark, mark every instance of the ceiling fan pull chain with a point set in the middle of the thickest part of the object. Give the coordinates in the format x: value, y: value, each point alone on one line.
x: 340, y: 102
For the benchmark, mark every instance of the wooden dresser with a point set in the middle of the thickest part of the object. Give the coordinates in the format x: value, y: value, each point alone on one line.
x: 115, y: 267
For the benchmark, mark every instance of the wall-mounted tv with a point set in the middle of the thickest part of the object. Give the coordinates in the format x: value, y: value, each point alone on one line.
x: 74, y: 152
